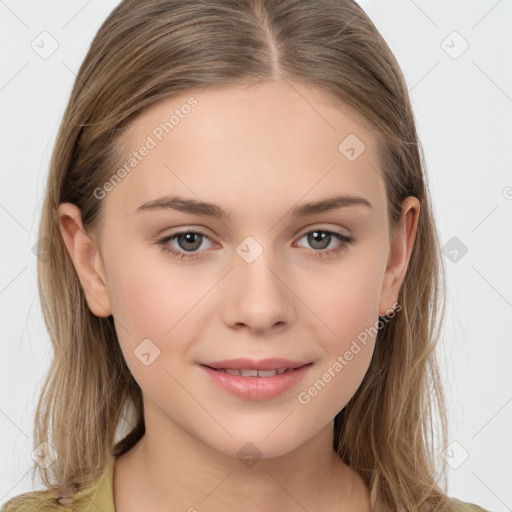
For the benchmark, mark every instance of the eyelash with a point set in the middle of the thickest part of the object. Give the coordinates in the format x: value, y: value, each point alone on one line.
x: 318, y: 253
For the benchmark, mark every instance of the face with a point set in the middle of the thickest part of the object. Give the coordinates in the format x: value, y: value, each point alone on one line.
x: 270, y: 279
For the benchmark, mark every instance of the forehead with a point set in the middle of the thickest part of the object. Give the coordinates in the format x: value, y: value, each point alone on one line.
x: 244, y: 144
x: 269, y: 107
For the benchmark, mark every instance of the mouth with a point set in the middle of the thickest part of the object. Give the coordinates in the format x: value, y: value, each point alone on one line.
x: 245, y: 364
x: 250, y: 372
x: 257, y: 384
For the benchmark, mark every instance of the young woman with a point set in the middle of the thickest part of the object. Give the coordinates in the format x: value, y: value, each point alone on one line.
x: 244, y: 284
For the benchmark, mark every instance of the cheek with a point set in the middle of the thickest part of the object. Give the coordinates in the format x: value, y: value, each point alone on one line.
x: 345, y: 297
x: 327, y: 392
x: 348, y: 349
x: 347, y: 306
x: 149, y: 294
x: 152, y: 304
x: 156, y: 305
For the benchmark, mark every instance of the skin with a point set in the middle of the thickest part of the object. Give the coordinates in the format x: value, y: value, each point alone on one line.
x: 257, y: 151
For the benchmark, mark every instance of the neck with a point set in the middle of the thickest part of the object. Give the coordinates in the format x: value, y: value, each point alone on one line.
x: 171, y: 469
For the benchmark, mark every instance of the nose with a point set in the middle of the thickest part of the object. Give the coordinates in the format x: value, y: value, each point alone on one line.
x: 258, y: 296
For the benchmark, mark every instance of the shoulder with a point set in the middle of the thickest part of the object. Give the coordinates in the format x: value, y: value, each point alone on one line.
x: 36, y: 501
x: 46, y: 501
x: 462, y: 506
x: 97, y: 497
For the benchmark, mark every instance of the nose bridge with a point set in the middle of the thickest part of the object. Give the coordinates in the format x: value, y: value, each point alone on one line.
x: 259, y: 297
x: 256, y: 266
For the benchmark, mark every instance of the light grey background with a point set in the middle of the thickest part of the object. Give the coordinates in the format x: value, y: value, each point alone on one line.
x: 463, y: 108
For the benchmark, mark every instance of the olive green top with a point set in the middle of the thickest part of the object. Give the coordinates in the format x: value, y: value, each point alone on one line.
x: 100, y: 497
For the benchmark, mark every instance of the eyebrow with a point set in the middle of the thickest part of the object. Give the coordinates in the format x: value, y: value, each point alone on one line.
x: 196, y: 207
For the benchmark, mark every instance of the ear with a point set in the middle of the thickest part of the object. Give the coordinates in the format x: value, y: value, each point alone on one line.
x: 86, y: 258
x: 399, y: 255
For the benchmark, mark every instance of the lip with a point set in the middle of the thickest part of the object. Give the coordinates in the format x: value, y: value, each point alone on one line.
x: 257, y: 388
x: 244, y: 363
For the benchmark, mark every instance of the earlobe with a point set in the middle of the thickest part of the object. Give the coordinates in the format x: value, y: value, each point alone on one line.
x: 86, y: 259
x: 399, y: 255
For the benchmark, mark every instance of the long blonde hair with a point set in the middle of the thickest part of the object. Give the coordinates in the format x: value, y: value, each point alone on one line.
x: 155, y: 49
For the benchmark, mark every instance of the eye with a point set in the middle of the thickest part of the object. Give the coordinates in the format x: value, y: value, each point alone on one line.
x: 187, y: 240
x: 190, y: 241
x: 320, y: 239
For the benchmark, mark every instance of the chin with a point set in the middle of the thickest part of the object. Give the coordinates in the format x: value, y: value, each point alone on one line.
x: 251, y: 446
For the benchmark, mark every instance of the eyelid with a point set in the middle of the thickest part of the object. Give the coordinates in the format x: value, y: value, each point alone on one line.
x: 300, y: 234
x: 163, y: 241
x: 187, y: 229
x: 323, y: 228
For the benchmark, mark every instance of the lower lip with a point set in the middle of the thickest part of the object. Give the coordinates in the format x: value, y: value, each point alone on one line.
x: 257, y: 388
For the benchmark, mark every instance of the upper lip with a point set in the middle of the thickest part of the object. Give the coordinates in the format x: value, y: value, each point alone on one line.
x: 243, y: 363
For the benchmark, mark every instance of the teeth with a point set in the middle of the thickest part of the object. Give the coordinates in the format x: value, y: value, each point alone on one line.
x: 249, y: 373
x: 256, y: 373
